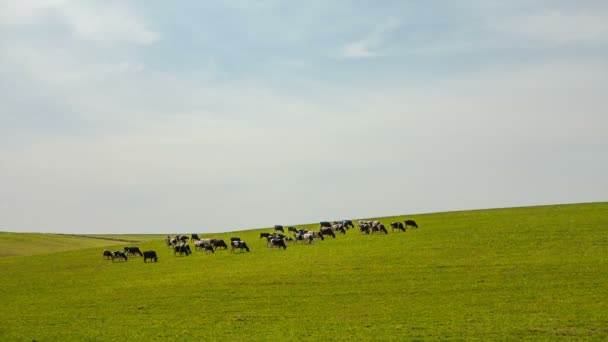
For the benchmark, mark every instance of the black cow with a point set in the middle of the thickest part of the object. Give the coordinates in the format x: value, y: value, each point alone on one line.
x: 265, y: 235
x: 278, y: 228
x: 411, y: 223
x: 219, y: 244
x: 150, y: 255
x: 182, y: 238
x: 398, y: 226
x: 348, y: 224
x: 132, y: 251
x: 328, y: 231
x: 107, y: 254
x: 238, y: 244
x: 232, y: 239
x: 194, y: 237
x: 325, y: 224
x: 292, y: 229
x: 182, y: 249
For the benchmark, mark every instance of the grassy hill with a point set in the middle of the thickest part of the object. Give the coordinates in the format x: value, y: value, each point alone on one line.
x: 23, y: 244
x: 536, y: 273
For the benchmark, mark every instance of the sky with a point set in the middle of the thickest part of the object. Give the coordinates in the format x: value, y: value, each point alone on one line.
x: 150, y: 116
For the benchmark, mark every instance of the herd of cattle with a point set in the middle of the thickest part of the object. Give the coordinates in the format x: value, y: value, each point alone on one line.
x: 179, y: 243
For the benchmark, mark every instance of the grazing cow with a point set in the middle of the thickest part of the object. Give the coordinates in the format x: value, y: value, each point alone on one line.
x: 238, y: 244
x: 150, y: 255
x: 317, y: 234
x: 398, y: 226
x: 132, y: 251
x: 171, y: 241
x: 194, y: 237
x: 265, y: 235
x: 364, y: 227
x: 327, y: 231
x: 182, y: 249
x: 379, y: 228
x: 325, y: 224
x: 292, y: 229
x: 277, y: 243
x: 338, y: 227
x: 278, y: 228
x: 348, y: 224
x: 232, y: 239
x: 308, y: 237
x: 219, y: 244
x: 107, y: 254
x: 119, y: 255
x: 411, y: 223
x: 304, y: 236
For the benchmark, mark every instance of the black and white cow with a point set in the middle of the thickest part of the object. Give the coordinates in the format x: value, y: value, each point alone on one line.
x: 240, y: 245
x: 398, y: 226
x: 182, y: 249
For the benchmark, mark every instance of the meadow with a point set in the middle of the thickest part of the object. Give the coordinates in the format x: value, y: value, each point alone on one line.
x: 537, y: 273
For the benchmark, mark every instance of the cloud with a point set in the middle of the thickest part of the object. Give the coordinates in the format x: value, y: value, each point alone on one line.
x: 557, y: 27
x: 369, y: 45
x: 107, y: 22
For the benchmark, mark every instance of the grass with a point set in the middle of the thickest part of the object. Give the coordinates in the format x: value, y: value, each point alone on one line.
x: 522, y: 273
x: 24, y: 244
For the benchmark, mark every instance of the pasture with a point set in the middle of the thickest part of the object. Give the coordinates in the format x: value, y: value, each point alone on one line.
x: 520, y: 273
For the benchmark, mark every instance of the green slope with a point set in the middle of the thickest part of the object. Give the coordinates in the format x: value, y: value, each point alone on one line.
x: 538, y: 273
x: 21, y: 244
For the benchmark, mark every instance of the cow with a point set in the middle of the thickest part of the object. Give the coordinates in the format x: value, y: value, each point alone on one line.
x: 194, y: 237
x: 338, y: 227
x: 277, y: 243
x: 364, y: 227
x: 292, y: 229
x: 278, y: 228
x: 308, y: 237
x: 182, y: 249
x: 182, y: 238
x: 232, y: 239
x: 327, y: 231
x: 219, y: 244
x: 348, y: 224
x: 411, y: 223
x: 107, y: 254
x: 398, y: 226
x: 238, y: 244
x: 265, y: 235
x: 325, y: 224
x: 379, y: 228
x: 119, y: 255
x: 132, y: 251
x: 150, y: 255
x: 171, y: 242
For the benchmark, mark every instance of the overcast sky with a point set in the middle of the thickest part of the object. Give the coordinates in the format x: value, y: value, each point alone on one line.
x: 209, y: 116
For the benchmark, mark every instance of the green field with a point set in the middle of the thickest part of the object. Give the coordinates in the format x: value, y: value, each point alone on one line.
x: 537, y: 273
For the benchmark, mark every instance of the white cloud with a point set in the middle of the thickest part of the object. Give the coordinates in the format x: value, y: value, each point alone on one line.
x: 107, y: 22
x: 369, y: 45
x: 557, y: 27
